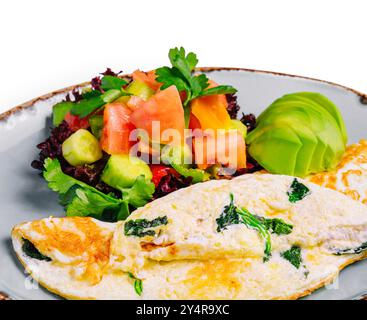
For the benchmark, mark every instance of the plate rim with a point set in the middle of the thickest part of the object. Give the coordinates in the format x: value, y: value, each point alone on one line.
x: 6, y: 114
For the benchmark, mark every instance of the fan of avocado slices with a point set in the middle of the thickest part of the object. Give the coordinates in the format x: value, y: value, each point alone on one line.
x: 299, y: 134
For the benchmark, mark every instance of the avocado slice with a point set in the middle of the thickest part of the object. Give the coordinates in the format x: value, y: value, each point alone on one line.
x: 122, y: 170
x: 330, y: 107
x: 276, y: 149
x: 306, y: 153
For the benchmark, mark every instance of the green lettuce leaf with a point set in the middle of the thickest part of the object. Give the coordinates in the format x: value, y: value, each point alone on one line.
x: 80, y: 199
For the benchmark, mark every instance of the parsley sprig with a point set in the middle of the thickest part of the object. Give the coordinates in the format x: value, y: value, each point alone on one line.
x: 181, y: 75
x: 111, y: 89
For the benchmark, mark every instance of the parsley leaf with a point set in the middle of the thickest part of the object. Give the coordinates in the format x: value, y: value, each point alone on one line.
x: 171, y: 77
x: 111, y: 82
x: 138, y: 228
x: 297, y: 191
x: 138, y: 284
x: 80, y: 199
x: 86, y: 106
x: 218, y: 90
x: 93, y: 101
x: 140, y: 193
x: 181, y: 76
x: 294, y: 256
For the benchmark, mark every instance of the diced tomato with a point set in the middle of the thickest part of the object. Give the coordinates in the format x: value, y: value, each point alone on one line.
x: 163, y: 108
x: 211, y: 111
x: 228, y: 148
x: 134, y: 102
x: 116, y: 129
x: 159, y: 171
x: 149, y: 78
x: 75, y: 122
x: 194, y: 122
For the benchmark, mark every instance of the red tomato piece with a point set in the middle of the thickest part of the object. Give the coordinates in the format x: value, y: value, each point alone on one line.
x: 194, y: 122
x: 75, y: 122
x: 159, y: 171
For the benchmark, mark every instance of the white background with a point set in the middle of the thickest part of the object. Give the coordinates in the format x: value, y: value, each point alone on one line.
x: 46, y: 45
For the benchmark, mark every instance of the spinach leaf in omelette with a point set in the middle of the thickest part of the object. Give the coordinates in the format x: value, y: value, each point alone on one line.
x: 31, y: 251
x: 233, y: 215
x: 138, y: 284
x: 142, y: 227
x: 229, y: 216
x: 297, y: 191
x: 293, y: 255
x: 277, y: 226
x: 357, y: 250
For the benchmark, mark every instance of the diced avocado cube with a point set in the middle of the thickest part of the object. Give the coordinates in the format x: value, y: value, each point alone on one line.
x: 81, y: 148
x: 122, y: 170
x: 59, y: 111
x: 140, y: 89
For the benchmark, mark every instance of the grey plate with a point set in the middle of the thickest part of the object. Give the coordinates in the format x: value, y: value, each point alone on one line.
x: 25, y: 196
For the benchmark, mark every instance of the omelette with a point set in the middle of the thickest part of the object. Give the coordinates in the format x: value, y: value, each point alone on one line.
x: 252, y: 237
x: 350, y: 176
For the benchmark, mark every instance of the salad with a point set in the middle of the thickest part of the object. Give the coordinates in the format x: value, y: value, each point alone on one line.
x: 126, y: 140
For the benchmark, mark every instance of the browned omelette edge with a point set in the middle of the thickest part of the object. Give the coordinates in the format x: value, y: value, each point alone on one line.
x: 291, y: 297
x: 325, y: 282
x: 54, y: 291
x: 30, y: 103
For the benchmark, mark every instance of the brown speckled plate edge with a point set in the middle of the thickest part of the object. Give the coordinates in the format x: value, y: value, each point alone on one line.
x: 6, y: 114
